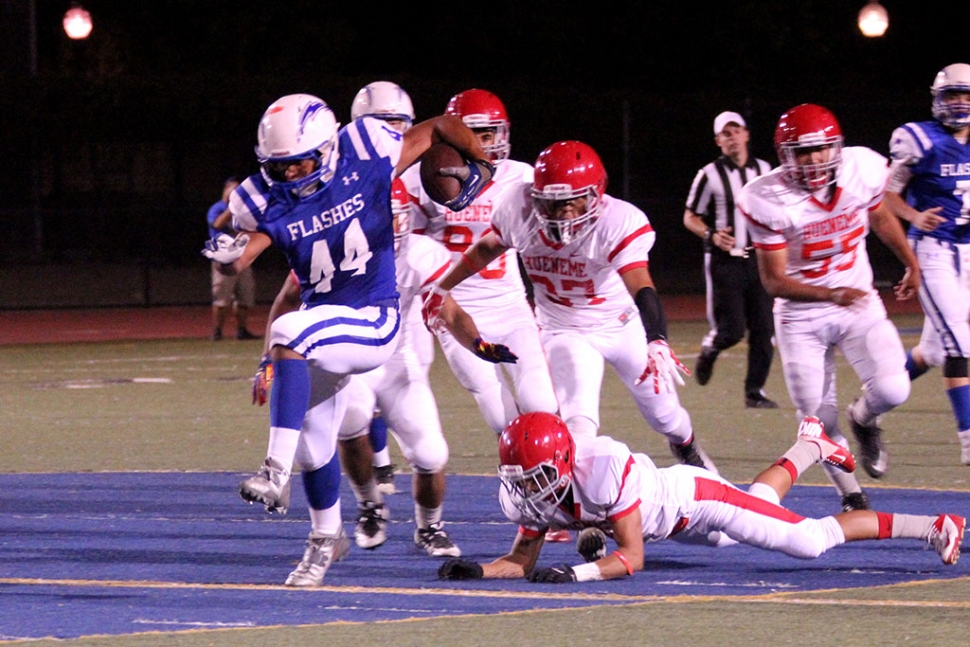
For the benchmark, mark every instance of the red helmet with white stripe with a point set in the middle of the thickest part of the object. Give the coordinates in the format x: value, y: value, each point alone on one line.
x: 564, y: 173
x: 536, y: 453
x: 481, y: 110
x: 813, y: 134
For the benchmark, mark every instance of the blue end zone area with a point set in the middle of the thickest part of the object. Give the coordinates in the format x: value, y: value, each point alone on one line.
x: 125, y: 553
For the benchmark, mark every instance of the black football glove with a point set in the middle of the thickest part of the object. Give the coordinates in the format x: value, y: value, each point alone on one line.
x: 473, y: 177
x: 460, y: 569
x: 494, y: 353
x: 559, y: 574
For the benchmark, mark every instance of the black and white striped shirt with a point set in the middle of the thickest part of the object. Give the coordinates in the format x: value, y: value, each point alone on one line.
x: 712, y: 194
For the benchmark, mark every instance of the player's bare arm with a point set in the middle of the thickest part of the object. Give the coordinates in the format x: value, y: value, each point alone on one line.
x: 475, y: 259
x: 885, y: 224
x: 628, y: 533
x: 520, y: 560
x: 462, y: 327
x: 772, y: 266
x: 258, y: 243
x: 444, y: 128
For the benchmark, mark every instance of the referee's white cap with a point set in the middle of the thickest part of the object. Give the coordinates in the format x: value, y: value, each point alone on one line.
x: 726, y: 118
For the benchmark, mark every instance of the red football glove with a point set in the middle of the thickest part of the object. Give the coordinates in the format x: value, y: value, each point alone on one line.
x: 664, y: 366
x: 431, y: 310
x: 263, y: 380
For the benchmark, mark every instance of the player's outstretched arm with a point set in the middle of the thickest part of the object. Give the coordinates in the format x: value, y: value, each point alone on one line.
x: 627, y: 559
x: 520, y: 560
x: 884, y: 223
x: 443, y: 128
x: 475, y: 259
x: 461, y: 325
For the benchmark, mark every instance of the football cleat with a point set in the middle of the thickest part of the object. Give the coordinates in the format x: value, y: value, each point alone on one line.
x: 269, y: 486
x: 321, y: 552
x: 435, y: 541
x: 945, y: 537
x: 591, y: 544
x: 872, y: 452
x: 371, y: 529
x: 855, y: 501
x: 812, y: 430
x: 690, y: 453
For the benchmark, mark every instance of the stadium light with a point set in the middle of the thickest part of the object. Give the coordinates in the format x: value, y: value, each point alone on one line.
x: 873, y: 20
x: 77, y: 23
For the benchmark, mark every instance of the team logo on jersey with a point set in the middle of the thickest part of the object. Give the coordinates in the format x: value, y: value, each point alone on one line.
x: 950, y: 170
x: 326, y: 219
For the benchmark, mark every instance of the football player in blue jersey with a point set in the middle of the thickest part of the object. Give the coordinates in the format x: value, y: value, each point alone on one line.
x: 323, y: 198
x: 930, y: 188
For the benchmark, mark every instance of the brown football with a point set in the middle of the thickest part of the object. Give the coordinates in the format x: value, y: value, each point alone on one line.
x: 440, y: 188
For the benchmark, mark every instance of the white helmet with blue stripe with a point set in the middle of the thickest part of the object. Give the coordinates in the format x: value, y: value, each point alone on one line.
x: 384, y: 100
x: 951, y: 95
x: 295, y: 128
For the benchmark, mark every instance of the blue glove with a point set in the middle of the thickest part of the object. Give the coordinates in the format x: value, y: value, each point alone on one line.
x: 473, y: 177
x: 560, y: 574
x: 494, y: 353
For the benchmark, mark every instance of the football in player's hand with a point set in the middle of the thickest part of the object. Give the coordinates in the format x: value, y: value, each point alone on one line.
x: 440, y: 188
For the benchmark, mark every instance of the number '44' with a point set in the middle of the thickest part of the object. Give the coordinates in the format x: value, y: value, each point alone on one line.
x: 356, y: 254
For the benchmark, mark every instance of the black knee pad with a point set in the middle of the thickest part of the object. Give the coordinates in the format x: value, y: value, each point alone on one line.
x: 955, y: 367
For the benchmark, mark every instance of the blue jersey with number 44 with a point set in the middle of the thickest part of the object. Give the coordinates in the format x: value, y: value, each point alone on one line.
x: 340, y: 240
x: 941, y: 176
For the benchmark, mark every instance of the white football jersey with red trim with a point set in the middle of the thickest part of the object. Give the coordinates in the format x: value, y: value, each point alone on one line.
x: 826, y: 243
x: 578, y: 285
x: 500, y: 283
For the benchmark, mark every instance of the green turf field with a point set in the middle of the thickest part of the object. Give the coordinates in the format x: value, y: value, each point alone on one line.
x: 184, y: 405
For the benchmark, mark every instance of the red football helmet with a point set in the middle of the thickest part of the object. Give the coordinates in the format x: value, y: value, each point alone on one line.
x: 400, y: 202
x: 481, y: 109
x: 809, y: 127
x: 565, y: 171
x: 536, y: 454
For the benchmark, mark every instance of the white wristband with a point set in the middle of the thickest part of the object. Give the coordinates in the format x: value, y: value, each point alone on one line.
x: 587, y: 572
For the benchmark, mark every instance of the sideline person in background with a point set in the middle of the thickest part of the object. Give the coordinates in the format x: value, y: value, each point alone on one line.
x: 736, y: 300
x: 237, y: 293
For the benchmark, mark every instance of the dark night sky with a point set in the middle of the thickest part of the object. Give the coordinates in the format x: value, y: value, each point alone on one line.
x: 640, y: 81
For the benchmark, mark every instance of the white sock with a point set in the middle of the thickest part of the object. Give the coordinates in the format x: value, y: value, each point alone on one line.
x: 367, y: 492
x: 326, y: 522
x: 765, y: 492
x: 425, y: 517
x: 382, y: 457
x: 282, y: 445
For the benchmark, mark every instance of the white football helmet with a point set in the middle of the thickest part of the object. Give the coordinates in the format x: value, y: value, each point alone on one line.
x: 294, y: 128
x: 383, y: 100
x: 952, y: 78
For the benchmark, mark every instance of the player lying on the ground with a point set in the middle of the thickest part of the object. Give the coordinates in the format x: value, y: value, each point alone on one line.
x: 551, y: 479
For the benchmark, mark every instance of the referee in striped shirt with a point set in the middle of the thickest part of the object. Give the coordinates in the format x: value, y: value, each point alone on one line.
x: 736, y: 300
